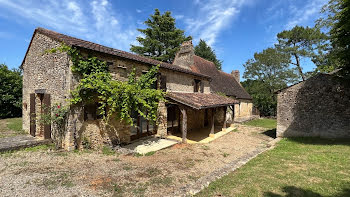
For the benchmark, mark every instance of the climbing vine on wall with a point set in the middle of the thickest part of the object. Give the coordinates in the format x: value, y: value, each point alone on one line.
x: 119, y: 98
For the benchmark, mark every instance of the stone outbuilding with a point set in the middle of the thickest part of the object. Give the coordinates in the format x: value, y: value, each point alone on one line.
x: 191, y: 83
x: 317, y: 107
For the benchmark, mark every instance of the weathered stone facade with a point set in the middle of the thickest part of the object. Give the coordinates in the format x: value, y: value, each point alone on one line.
x: 50, y: 74
x: 317, y: 107
x: 243, y: 111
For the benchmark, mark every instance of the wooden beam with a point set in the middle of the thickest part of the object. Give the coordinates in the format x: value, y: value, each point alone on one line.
x: 225, y: 110
x: 212, y: 121
x: 184, y: 124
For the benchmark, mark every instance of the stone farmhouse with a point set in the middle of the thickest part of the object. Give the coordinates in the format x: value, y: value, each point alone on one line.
x: 317, y: 107
x: 192, y: 103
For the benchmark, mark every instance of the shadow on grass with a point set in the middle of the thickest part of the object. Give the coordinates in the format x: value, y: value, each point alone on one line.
x: 270, y: 133
x: 292, y: 191
x: 321, y: 141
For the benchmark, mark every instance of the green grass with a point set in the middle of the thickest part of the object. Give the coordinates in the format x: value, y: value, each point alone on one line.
x: 263, y: 122
x: 296, y: 167
x: 106, y: 150
x: 11, y: 127
x: 15, y: 124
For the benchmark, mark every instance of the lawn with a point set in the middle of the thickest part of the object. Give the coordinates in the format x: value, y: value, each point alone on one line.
x: 263, y: 122
x: 11, y: 127
x: 296, y: 167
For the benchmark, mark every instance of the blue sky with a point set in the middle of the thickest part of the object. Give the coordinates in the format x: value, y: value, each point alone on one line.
x: 234, y: 28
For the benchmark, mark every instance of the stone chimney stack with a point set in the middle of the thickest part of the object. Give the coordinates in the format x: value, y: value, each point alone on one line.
x: 235, y: 74
x: 184, y: 58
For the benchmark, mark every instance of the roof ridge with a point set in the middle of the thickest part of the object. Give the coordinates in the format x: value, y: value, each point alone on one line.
x: 73, y: 41
x: 204, y: 59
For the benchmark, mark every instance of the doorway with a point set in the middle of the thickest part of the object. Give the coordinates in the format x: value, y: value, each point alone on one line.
x: 40, y: 103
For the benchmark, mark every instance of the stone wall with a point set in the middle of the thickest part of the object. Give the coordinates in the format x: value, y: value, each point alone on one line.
x: 317, y: 107
x: 97, y: 133
x: 243, y: 111
x: 44, y: 71
x: 181, y: 82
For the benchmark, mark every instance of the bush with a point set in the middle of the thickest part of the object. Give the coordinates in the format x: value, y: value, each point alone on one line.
x: 10, y: 92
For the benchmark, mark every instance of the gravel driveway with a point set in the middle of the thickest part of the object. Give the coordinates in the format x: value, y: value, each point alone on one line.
x: 56, y: 173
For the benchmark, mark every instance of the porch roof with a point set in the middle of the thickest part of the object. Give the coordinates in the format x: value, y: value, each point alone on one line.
x: 201, y: 100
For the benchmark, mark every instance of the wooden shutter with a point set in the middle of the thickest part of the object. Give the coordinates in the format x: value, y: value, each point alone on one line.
x: 163, y: 82
x: 32, y: 115
x: 47, y: 106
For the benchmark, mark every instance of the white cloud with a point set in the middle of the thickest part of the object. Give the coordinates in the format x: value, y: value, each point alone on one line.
x: 178, y: 16
x: 306, y: 14
x: 138, y: 10
x: 212, y: 18
x: 96, y: 21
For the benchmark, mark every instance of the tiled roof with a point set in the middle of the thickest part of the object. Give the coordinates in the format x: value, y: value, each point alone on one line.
x: 107, y: 50
x: 221, y: 81
x: 201, y: 100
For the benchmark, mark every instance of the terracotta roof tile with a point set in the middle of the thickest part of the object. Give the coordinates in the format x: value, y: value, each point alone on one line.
x: 201, y: 100
x: 221, y: 81
x: 103, y: 49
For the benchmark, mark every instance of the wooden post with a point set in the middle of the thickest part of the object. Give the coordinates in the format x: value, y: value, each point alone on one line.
x: 184, y: 124
x: 225, y: 110
x: 212, y: 123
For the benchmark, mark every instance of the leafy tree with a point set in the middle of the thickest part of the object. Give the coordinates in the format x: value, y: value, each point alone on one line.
x: 301, y: 42
x: 205, y: 51
x: 161, y: 39
x: 266, y: 73
x: 262, y: 98
x: 10, y: 92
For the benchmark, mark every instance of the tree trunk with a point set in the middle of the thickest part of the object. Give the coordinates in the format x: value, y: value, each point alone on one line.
x: 299, y: 67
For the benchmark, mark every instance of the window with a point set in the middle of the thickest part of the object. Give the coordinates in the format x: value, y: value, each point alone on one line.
x: 92, y: 111
x: 197, y: 85
x: 163, y: 83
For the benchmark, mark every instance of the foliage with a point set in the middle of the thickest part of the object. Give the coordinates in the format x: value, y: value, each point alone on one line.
x: 266, y: 73
x: 57, y: 116
x: 10, y: 92
x: 119, y: 98
x: 161, y: 39
x: 340, y: 37
x: 295, y: 167
x: 328, y: 61
x: 302, y: 42
x: 205, y: 51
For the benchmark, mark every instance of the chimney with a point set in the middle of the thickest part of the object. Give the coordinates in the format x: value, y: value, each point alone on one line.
x: 184, y: 57
x: 235, y: 74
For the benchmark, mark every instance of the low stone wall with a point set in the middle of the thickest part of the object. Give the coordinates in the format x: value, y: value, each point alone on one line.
x: 96, y: 133
x: 317, y: 107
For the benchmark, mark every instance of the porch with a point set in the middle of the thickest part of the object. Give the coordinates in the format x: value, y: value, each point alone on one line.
x: 198, y: 117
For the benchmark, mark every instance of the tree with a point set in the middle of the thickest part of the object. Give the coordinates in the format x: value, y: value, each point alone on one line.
x: 301, y: 42
x: 10, y: 92
x: 161, y: 39
x: 340, y: 36
x: 266, y: 73
x: 205, y: 51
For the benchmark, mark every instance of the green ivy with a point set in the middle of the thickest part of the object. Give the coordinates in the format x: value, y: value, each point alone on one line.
x: 118, y: 97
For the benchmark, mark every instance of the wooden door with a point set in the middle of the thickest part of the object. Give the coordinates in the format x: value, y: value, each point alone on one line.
x: 47, y: 105
x: 32, y: 115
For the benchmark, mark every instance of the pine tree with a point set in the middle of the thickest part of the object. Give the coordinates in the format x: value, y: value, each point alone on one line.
x: 161, y: 39
x: 205, y: 51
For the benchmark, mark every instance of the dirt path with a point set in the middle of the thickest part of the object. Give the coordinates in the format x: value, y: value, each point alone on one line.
x: 53, y: 173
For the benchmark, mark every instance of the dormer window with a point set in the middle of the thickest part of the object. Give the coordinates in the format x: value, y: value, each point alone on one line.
x: 197, y: 85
